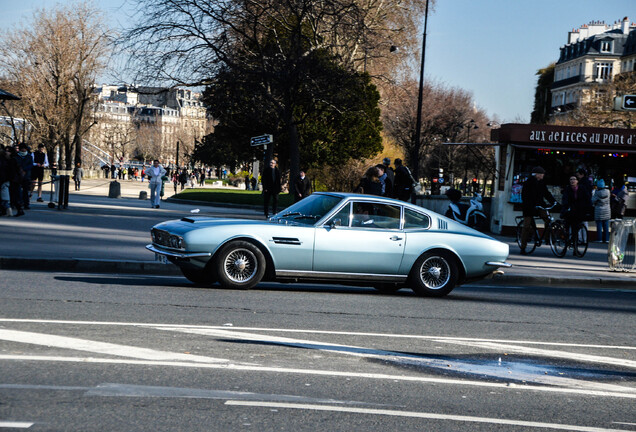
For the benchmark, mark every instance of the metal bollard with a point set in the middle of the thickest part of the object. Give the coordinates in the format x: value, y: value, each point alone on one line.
x: 114, y: 189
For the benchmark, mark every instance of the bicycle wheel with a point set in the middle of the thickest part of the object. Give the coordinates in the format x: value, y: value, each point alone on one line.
x: 580, y: 241
x: 558, y: 239
x: 532, y: 241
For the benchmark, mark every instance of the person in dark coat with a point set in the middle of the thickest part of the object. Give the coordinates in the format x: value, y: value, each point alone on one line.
x: 577, y: 203
x: 533, y: 194
x: 302, y: 187
x: 404, y: 181
x: 271, y: 187
x: 370, y: 183
x: 25, y: 165
x: 390, y: 177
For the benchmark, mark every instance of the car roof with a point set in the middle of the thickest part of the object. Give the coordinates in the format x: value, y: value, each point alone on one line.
x: 365, y: 197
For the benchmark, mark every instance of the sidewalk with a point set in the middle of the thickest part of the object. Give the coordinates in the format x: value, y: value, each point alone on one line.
x: 101, y: 234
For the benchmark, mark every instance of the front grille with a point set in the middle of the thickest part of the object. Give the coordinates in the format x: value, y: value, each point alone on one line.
x: 164, y: 238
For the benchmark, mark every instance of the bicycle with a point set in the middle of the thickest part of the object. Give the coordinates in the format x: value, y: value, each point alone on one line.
x: 576, y: 238
x: 548, y: 235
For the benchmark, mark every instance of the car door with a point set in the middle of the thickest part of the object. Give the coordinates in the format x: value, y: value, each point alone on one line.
x: 368, y: 240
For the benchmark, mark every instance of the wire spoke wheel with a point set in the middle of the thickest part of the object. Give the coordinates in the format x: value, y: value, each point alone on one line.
x: 558, y: 240
x: 434, y: 274
x: 580, y: 241
x: 240, y: 265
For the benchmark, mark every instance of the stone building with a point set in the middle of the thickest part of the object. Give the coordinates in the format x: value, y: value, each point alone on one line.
x: 594, y: 54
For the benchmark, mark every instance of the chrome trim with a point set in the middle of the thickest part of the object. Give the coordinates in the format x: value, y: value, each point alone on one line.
x: 499, y: 264
x: 286, y: 240
x: 341, y: 276
x: 152, y: 248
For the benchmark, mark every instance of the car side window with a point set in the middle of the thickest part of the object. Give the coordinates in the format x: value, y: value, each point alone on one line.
x: 376, y: 215
x: 343, y: 215
x: 413, y: 219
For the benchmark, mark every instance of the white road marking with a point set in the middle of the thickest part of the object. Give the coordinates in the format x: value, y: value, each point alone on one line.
x: 327, y: 332
x: 546, y: 353
x: 422, y: 415
x: 15, y: 425
x: 323, y: 373
x: 623, y: 423
x: 100, y: 347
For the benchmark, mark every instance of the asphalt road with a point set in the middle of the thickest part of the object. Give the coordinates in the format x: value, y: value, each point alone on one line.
x: 142, y: 352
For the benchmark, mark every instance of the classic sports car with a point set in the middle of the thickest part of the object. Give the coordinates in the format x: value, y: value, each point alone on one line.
x: 350, y: 238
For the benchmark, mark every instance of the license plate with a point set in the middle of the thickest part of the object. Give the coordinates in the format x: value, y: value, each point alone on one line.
x: 161, y: 258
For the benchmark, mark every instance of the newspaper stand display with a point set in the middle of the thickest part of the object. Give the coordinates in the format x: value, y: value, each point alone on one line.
x: 621, y: 253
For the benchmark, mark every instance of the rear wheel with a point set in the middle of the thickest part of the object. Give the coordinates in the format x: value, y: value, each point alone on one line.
x: 532, y: 241
x: 558, y: 240
x: 198, y: 276
x: 580, y: 241
x: 240, y: 265
x: 434, y: 274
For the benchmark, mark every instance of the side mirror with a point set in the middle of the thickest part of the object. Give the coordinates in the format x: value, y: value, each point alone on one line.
x: 335, y: 223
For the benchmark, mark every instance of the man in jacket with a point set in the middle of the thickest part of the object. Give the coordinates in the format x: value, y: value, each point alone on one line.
x: 302, y: 187
x: 25, y: 165
x: 40, y: 161
x: 155, y: 174
x: 404, y: 181
x: 271, y: 187
x: 533, y: 194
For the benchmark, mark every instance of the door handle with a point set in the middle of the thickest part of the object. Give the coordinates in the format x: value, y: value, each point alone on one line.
x: 395, y: 238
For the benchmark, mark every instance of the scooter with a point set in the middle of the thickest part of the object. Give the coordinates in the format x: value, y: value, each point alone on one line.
x: 471, y: 215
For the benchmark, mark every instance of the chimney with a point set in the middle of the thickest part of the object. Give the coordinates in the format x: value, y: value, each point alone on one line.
x: 625, y: 25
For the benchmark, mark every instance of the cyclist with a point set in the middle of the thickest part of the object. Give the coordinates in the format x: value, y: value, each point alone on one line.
x: 577, y: 203
x: 533, y: 194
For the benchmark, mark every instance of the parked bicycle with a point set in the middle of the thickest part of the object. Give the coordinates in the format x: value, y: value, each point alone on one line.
x: 554, y: 233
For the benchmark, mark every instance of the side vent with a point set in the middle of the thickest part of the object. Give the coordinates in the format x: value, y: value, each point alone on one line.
x: 442, y: 224
x: 286, y: 240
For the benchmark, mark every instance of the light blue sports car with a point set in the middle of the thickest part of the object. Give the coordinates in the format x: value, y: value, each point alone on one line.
x: 333, y: 237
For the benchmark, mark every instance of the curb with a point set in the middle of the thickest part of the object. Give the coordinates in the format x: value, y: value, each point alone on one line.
x: 152, y: 267
x: 88, y: 265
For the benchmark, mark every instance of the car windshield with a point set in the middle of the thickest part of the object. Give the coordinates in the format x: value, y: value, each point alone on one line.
x: 309, y: 210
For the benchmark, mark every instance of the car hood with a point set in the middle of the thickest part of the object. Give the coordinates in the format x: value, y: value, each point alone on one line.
x: 186, y: 224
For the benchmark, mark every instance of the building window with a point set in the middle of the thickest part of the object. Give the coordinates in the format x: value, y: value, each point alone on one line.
x: 606, y: 46
x: 603, y: 71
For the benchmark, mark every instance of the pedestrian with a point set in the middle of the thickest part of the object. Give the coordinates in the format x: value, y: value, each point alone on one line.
x: 370, y: 183
x: 271, y: 187
x: 302, y: 187
x: 175, y: 180
x: 618, y: 200
x: 247, y: 181
x: 384, y: 179
x: 577, y: 205
x: 533, y: 194
x: 155, y: 174
x: 390, y: 177
x: 25, y: 166
x: 8, y: 170
x: 78, y: 174
x: 40, y: 161
x: 404, y: 181
x: 602, y: 213
x: 143, y: 173
x: 183, y: 178
x: 202, y: 178
x: 253, y: 182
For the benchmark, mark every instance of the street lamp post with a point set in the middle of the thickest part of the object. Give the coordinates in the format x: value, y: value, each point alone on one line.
x: 418, y: 123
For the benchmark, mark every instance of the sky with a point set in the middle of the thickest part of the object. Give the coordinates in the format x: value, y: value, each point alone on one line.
x: 491, y: 48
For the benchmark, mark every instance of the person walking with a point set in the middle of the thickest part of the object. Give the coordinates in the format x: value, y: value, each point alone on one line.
x: 78, y: 174
x: 577, y: 204
x: 271, y: 187
x: 8, y: 170
x: 404, y: 181
x: 302, y: 187
x: 602, y: 213
x: 618, y: 200
x: 25, y: 166
x: 40, y: 161
x: 533, y: 194
x: 370, y: 183
x: 155, y: 180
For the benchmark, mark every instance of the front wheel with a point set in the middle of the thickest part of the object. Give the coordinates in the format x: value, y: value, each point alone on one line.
x: 240, y: 265
x: 558, y: 240
x: 580, y: 241
x: 434, y: 274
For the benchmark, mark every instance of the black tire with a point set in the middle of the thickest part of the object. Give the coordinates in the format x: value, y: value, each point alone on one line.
x: 532, y: 241
x: 478, y: 222
x: 199, y: 276
x: 558, y: 240
x: 434, y: 274
x: 239, y: 265
x: 580, y: 242
x: 387, y: 288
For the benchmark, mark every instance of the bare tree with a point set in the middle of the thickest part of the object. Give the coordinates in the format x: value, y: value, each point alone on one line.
x: 53, y: 64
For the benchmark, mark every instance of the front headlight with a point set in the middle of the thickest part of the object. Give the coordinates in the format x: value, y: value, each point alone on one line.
x: 164, y: 238
x: 176, y: 242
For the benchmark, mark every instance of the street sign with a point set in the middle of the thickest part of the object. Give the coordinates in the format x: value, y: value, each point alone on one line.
x: 261, y: 140
x: 629, y: 102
